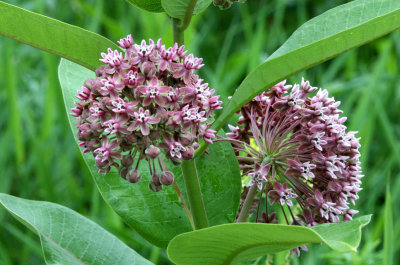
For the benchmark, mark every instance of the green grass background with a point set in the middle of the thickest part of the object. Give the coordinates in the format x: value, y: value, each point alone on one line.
x: 39, y: 160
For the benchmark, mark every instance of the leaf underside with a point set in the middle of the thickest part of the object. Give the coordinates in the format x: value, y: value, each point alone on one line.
x: 178, y: 8
x: 148, y: 5
x: 67, y: 237
x: 232, y: 243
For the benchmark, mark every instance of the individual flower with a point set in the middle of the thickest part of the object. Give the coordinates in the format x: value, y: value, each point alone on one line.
x: 310, y: 162
x: 145, y: 103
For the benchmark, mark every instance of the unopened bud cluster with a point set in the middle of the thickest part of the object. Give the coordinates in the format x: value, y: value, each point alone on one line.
x: 144, y: 101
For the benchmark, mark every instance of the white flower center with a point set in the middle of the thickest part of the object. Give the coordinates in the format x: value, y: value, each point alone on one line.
x: 153, y: 91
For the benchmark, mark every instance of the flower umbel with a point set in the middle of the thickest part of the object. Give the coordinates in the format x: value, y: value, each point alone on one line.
x: 138, y: 107
x: 303, y: 154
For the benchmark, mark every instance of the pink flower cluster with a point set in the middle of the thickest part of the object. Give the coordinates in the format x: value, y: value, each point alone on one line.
x: 144, y: 101
x: 303, y: 154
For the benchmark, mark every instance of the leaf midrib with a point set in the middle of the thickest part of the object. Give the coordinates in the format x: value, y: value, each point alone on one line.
x: 233, y: 256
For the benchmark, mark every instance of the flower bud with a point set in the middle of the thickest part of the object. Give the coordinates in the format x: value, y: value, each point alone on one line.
x: 186, y: 139
x: 195, y: 145
x: 167, y: 178
x: 145, y: 141
x: 188, y: 153
x: 154, y: 187
x: 123, y: 172
x: 127, y: 161
x: 134, y: 176
x: 131, y: 138
x: 154, y: 135
x: 156, y: 179
x: 126, y: 146
x: 152, y: 151
x: 176, y: 161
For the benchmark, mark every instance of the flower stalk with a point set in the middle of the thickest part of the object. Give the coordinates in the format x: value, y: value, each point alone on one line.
x: 247, y: 205
x: 196, y: 202
x: 198, y: 213
x: 179, y: 26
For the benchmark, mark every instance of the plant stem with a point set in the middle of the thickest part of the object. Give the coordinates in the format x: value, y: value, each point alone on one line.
x: 244, y: 212
x: 185, y: 207
x: 178, y: 35
x: 196, y: 202
x: 188, y: 16
x: 179, y: 26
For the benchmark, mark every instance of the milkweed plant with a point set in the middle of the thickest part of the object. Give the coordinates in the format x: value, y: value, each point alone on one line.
x: 272, y: 168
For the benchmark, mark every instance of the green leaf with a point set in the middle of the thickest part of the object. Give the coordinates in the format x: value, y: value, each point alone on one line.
x: 321, y: 38
x: 148, y: 5
x: 178, y: 8
x: 232, y: 243
x: 388, y: 229
x: 67, y: 237
x: 159, y: 217
x: 71, y: 42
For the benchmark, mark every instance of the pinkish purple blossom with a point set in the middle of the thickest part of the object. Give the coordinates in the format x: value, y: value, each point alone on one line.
x: 311, y: 163
x: 144, y: 102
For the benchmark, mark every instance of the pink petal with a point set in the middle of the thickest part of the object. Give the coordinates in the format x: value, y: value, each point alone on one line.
x: 145, y: 129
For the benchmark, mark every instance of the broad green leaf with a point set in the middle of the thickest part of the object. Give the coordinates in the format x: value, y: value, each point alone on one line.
x: 149, y: 5
x: 67, y: 237
x: 321, y: 38
x: 178, y: 8
x: 159, y: 217
x: 68, y: 41
x: 232, y: 243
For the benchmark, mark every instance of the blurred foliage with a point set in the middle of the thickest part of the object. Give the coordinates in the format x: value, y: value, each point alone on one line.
x: 38, y: 159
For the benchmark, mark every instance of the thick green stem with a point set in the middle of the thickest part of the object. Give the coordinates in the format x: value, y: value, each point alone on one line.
x: 244, y: 212
x: 178, y: 35
x: 188, y: 16
x: 196, y: 202
x: 179, y: 26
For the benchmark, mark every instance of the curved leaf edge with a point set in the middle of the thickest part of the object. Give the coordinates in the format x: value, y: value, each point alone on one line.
x: 92, y: 67
x: 31, y: 227
x: 25, y: 223
x: 362, y: 222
